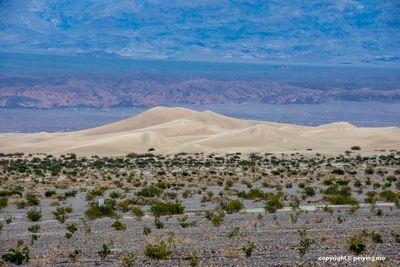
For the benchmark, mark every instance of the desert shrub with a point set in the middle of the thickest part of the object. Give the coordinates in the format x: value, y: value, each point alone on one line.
x: 355, y: 148
x: 128, y: 259
x: 217, y: 217
x: 187, y: 193
x: 17, y: 255
x: 193, y: 260
x: 74, y: 254
x: 376, y: 237
x: 232, y: 206
x: 273, y: 202
x: 34, y: 228
x: 340, y: 219
x: 104, y: 251
x: 158, y: 223
x: 71, y: 227
x: 11, y: 192
x: 160, y: 251
x: 3, y: 202
x: 34, y: 214
x: 32, y: 199
x: 50, y: 193
x: 339, y: 195
x: 309, y: 191
x: 342, y: 200
x: 371, y: 197
x: 248, y: 248
x: 396, y: 236
x: 95, y: 211
x: 137, y: 211
x: 188, y: 224
x: 305, y: 242
x: 389, y: 195
x: 61, y: 214
x: 369, y: 171
x: 34, y: 238
x: 159, y: 208
x: 119, y: 226
x: 338, y: 171
x: 115, y: 194
x: 146, y: 230
x: 95, y: 193
x: 150, y: 191
x: 21, y: 204
x: 71, y: 193
x: 234, y: 232
x: 357, y: 244
x: 254, y: 193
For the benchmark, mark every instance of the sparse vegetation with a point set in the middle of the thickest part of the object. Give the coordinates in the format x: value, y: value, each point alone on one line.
x: 34, y: 214
x: 161, y: 251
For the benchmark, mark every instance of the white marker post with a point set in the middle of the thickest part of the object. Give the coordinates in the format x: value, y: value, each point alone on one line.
x: 101, y: 202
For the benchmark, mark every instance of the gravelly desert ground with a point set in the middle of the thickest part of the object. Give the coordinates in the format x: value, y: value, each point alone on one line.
x: 200, y: 209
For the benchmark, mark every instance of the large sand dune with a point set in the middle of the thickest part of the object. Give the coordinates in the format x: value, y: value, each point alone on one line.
x: 171, y: 130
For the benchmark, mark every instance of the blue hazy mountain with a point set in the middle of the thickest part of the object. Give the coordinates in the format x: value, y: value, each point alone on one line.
x: 324, y: 31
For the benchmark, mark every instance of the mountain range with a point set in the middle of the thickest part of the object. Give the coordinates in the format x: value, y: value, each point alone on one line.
x: 327, y: 31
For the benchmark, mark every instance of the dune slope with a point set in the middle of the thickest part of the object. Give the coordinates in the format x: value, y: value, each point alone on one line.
x: 173, y: 130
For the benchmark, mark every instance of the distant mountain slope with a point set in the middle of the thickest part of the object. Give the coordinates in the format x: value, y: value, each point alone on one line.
x: 173, y: 130
x: 335, y: 31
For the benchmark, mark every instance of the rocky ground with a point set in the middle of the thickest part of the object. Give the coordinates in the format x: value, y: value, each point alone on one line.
x: 308, y: 225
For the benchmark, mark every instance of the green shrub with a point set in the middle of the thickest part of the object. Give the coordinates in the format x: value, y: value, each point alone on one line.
x: 158, y: 251
x: 158, y: 223
x: 254, y: 193
x: 150, y: 191
x: 369, y: 171
x: 95, y: 211
x: 305, y: 242
x: 376, y: 237
x: 217, y: 218
x: 50, y: 193
x: 248, y: 248
x: 396, y: 236
x: 71, y: 193
x: 3, y: 202
x: 232, y: 206
x: 61, y: 214
x: 95, y: 193
x: 194, y: 260
x: 389, y: 195
x: 34, y: 228
x: 119, y: 226
x: 137, y: 211
x: 273, y: 202
x: 234, y: 232
x: 32, y: 199
x: 128, y: 259
x: 146, y: 230
x: 34, y: 214
x: 338, y: 171
x: 159, y: 208
x: 71, y: 227
x: 356, y: 244
x: 18, y: 255
x: 309, y: 191
x: 104, y: 252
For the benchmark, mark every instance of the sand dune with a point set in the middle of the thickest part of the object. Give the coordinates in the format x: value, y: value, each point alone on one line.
x: 172, y: 130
